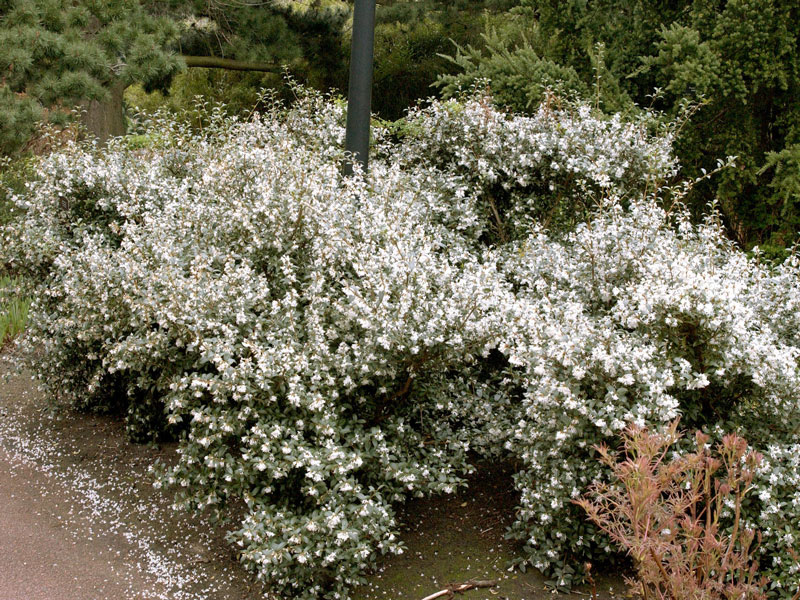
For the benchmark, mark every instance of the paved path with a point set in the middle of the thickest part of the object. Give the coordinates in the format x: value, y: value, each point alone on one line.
x: 80, y: 520
x: 40, y: 559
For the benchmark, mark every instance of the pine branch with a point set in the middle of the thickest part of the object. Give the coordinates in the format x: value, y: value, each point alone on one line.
x: 213, y: 62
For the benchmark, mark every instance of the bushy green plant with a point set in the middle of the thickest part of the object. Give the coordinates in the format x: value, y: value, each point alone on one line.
x: 521, y: 74
x: 13, y: 310
x: 324, y: 347
x: 238, y: 90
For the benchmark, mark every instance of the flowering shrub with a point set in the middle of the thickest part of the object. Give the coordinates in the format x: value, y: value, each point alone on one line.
x: 240, y: 293
x: 774, y: 508
x: 325, y: 347
x: 635, y: 317
x: 551, y: 168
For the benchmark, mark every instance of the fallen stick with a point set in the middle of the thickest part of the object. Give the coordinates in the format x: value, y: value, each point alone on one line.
x: 462, y: 587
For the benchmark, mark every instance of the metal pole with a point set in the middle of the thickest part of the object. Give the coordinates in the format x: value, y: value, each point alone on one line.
x: 359, y: 96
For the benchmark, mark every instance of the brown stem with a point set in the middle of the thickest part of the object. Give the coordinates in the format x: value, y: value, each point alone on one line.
x: 500, y: 228
x: 380, y: 413
x: 657, y: 560
x: 462, y: 587
x: 736, y: 519
x: 214, y: 62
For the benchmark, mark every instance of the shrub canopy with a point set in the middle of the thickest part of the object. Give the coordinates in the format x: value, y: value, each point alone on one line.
x: 325, y: 347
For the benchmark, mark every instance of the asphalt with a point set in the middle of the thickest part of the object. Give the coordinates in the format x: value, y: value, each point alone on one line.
x: 40, y: 559
x: 81, y: 520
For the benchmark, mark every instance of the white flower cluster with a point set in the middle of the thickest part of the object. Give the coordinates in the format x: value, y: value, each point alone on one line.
x: 776, y: 514
x: 325, y: 347
x: 550, y: 168
x: 637, y: 317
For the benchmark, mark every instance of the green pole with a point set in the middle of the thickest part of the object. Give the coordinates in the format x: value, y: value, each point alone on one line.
x: 359, y: 96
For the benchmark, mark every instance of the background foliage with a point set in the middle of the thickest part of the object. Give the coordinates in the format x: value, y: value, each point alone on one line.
x: 739, y: 61
x: 735, y: 62
x: 55, y: 54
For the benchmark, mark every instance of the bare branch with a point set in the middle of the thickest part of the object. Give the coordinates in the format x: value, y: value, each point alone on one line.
x: 213, y: 62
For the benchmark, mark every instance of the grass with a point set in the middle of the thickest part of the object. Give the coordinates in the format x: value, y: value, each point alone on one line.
x: 13, y: 310
x: 14, y: 173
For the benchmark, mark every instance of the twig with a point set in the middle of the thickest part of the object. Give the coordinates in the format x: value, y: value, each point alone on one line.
x: 462, y: 587
x: 588, y: 567
x: 657, y: 560
x: 500, y: 229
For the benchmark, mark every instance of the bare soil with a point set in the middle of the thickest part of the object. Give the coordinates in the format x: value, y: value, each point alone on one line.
x: 80, y: 520
x: 461, y: 537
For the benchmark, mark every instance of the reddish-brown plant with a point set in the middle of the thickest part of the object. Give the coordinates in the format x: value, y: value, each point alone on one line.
x: 666, y: 513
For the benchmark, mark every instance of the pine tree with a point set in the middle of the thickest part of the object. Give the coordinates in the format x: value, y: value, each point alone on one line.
x: 742, y: 58
x: 56, y: 55
x: 59, y: 55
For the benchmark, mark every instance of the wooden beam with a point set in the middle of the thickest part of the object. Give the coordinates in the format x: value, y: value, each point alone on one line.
x: 213, y: 62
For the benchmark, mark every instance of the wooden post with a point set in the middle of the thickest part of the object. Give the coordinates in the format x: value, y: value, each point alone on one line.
x: 359, y: 96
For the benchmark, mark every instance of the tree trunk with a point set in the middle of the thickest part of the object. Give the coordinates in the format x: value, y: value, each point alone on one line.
x: 104, y: 120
